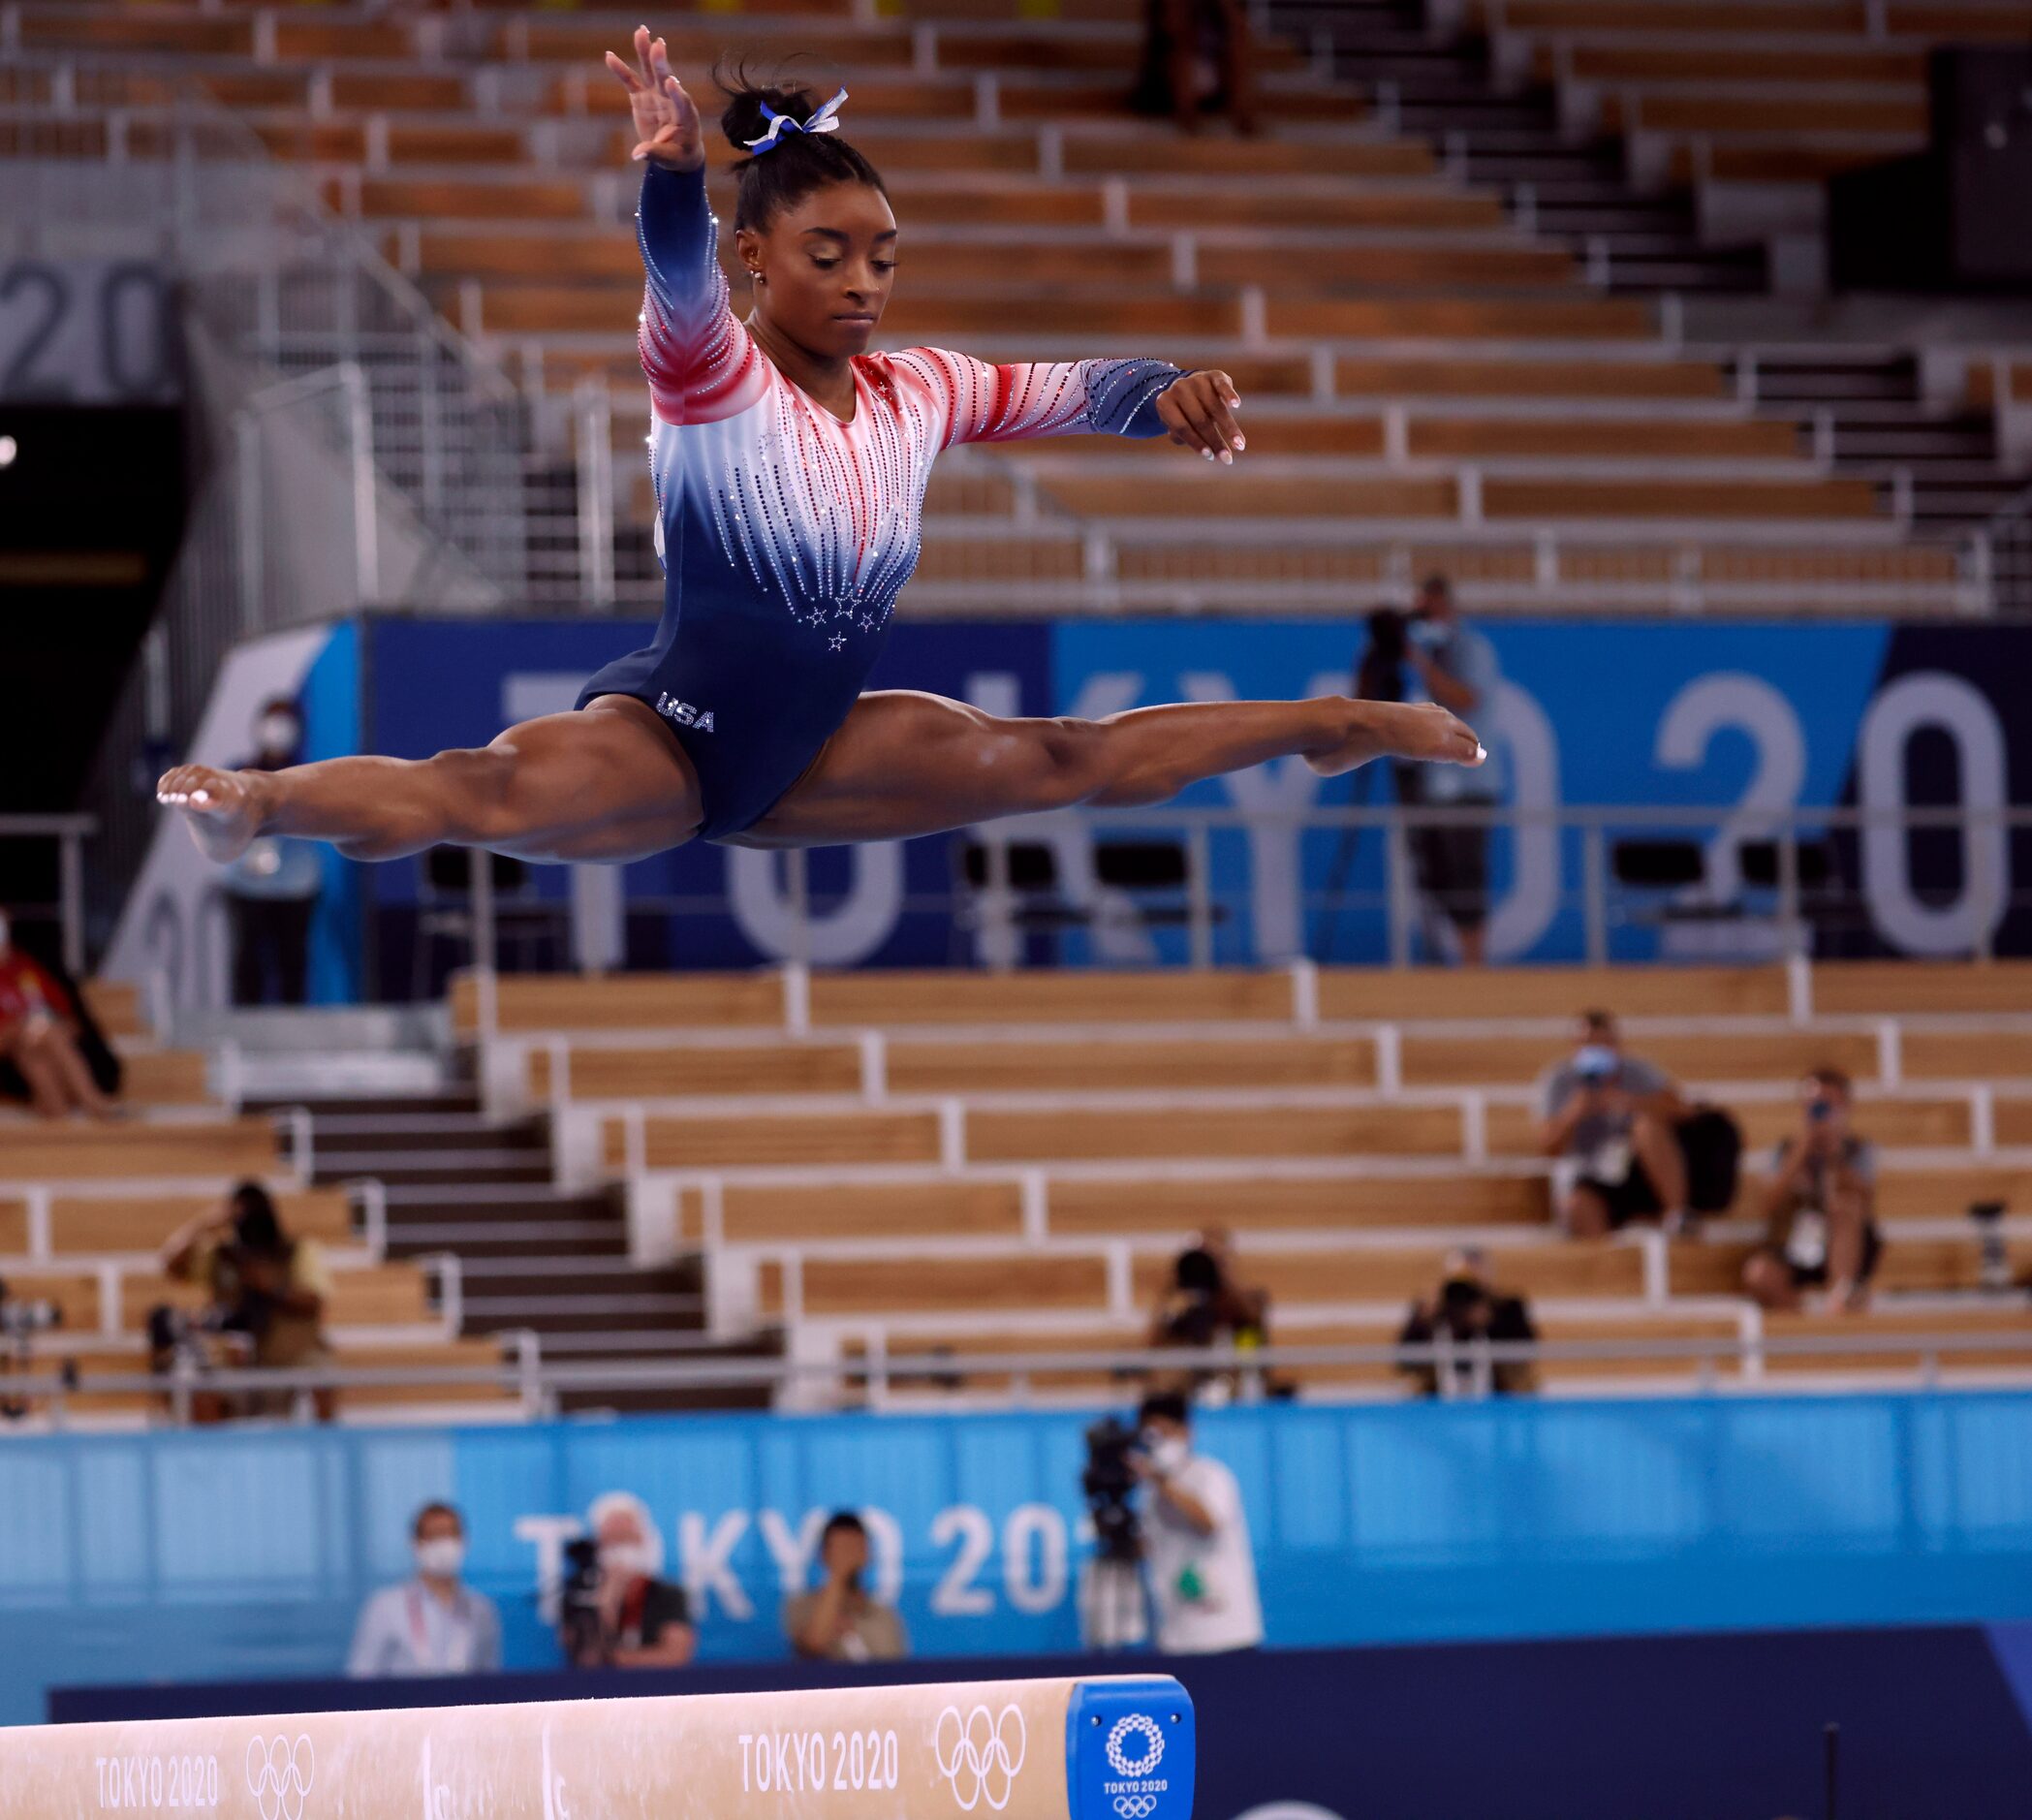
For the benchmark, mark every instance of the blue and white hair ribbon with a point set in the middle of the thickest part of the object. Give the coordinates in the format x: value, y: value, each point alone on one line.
x: 825, y: 121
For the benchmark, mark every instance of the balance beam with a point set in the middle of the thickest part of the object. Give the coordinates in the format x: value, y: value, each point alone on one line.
x: 1118, y: 1747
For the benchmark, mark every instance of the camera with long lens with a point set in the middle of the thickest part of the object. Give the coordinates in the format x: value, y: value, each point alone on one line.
x: 177, y: 1337
x: 21, y: 1319
x: 1109, y: 1480
x: 578, y: 1626
x: 1596, y: 1065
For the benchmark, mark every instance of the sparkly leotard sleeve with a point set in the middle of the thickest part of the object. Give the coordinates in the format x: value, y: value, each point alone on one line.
x: 786, y: 534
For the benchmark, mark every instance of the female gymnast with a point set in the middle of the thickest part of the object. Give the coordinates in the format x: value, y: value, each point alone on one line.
x: 790, y: 470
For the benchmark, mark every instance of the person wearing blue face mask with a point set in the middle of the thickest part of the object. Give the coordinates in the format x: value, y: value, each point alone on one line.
x: 1612, y: 1122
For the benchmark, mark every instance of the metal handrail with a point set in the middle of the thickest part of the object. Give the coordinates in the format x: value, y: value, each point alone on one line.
x: 538, y: 1383
x: 70, y: 833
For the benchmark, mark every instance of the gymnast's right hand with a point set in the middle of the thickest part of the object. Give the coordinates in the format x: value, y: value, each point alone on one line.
x: 666, y: 118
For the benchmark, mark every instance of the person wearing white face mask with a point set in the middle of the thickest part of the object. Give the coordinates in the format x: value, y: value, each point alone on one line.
x: 271, y: 890
x: 643, y: 1621
x: 1196, y: 1539
x: 434, y: 1623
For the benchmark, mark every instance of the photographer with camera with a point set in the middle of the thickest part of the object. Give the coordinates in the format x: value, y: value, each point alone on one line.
x: 1465, y: 1310
x: 432, y: 1624
x: 1433, y: 655
x: 1195, y: 1538
x: 264, y: 1285
x: 839, y: 1620
x: 1612, y: 1120
x: 1203, y: 1304
x: 617, y: 1612
x: 1820, y: 1206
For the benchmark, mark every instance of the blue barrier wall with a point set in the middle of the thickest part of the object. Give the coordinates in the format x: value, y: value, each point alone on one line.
x: 1765, y: 717
x: 230, y: 1554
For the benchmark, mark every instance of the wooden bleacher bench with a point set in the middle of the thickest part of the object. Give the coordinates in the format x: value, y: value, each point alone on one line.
x: 1363, y: 375
x: 1900, y: 1123
x: 897, y: 998
x: 1440, y: 1061
x: 1012, y: 1137
x: 759, y: 1214
x: 1185, y: 494
x: 372, y: 1295
x: 139, y: 1223
x: 2013, y: 1328
x: 773, y: 1141
x: 635, y: 1001
x: 931, y: 1285
x: 1574, y: 497
x: 136, y: 1150
x: 472, y: 1354
x: 161, y: 1078
x: 1888, y: 988
x: 116, y: 1004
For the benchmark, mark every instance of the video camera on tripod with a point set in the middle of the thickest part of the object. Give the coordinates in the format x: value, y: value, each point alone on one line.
x: 1112, y: 1613
x: 21, y: 1319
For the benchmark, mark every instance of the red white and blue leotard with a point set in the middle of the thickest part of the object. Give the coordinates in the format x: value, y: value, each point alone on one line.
x: 785, y: 534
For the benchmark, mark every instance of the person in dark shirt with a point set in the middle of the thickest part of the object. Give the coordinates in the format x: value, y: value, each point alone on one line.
x: 1467, y: 1308
x: 643, y: 1621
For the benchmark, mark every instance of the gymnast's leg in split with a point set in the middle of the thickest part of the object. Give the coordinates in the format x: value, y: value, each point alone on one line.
x: 611, y: 783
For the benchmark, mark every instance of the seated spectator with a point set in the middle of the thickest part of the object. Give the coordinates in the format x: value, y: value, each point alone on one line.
x: 432, y: 1624
x: 266, y: 1287
x: 838, y: 1621
x: 1628, y: 1145
x: 637, y: 1621
x: 1819, y: 1202
x: 1203, y: 1304
x: 45, y: 1044
x: 1198, y: 58
x: 1467, y: 1308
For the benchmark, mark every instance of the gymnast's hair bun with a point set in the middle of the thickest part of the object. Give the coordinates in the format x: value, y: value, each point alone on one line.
x: 743, y: 119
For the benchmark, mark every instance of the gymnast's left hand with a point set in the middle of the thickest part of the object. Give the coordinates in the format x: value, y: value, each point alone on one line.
x: 1199, y: 410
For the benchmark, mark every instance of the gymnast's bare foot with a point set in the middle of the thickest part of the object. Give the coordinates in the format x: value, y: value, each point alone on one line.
x: 224, y: 808
x: 1400, y: 730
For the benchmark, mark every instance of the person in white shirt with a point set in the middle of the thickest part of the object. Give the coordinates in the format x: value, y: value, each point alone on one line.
x: 1196, y: 1539
x: 432, y: 1624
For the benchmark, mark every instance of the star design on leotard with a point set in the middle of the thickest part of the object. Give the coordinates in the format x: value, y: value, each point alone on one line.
x: 839, y: 640
x: 867, y: 622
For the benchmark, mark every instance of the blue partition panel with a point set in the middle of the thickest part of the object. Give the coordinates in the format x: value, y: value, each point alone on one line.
x: 237, y: 1554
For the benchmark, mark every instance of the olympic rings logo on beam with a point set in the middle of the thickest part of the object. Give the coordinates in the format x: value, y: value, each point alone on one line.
x: 978, y: 1756
x: 279, y: 1776
x: 1136, y: 1806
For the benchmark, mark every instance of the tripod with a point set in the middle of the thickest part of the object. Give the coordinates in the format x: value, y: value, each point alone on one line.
x: 1113, y: 1612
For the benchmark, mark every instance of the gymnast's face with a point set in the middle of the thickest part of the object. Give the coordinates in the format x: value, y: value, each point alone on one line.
x: 824, y: 266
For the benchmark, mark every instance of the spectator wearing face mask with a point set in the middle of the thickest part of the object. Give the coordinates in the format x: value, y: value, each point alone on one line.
x: 432, y: 1624
x: 642, y: 1620
x: 271, y: 890
x: 1820, y: 1206
x: 840, y: 1620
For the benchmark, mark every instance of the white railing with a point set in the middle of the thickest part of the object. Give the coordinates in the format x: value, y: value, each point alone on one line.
x: 1767, y: 884
x: 536, y: 1386
x: 70, y: 833
x: 280, y: 283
